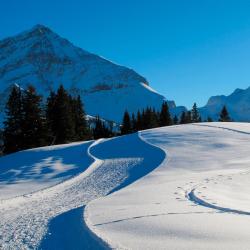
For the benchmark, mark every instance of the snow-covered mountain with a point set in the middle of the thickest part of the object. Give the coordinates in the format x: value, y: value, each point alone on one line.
x: 44, y: 59
x: 237, y: 103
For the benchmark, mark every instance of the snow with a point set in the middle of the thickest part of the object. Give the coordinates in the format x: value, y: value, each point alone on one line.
x: 237, y: 104
x: 178, y: 187
x: 47, y: 60
x: 27, y: 220
x: 198, y: 198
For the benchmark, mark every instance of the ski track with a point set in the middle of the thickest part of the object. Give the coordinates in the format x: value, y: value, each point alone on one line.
x: 25, y: 219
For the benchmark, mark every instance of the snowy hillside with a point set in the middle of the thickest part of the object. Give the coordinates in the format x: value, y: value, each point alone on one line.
x: 178, y: 187
x: 42, y: 58
x: 198, y: 198
x: 238, y: 105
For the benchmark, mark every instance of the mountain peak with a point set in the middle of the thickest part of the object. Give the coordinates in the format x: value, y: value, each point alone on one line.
x: 40, y: 28
x: 43, y: 58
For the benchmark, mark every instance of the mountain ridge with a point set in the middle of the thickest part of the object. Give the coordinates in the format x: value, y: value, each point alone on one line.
x: 237, y: 103
x: 44, y: 59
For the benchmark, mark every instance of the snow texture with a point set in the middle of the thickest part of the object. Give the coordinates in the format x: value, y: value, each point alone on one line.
x: 36, y: 218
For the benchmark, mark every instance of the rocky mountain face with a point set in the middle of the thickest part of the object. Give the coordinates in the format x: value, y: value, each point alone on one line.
x: 237, y: 103
x: 44, y: 59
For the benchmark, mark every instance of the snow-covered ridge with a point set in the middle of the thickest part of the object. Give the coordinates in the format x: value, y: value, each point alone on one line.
x: 237, y: 103
x: 42, y: 58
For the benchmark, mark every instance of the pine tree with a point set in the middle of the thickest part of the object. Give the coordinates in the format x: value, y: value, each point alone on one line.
x: 183, y: 118
x: 209, y: 119
x: 12, y: 134
x: 50, y: 117
x: 224, y: 115
x: 100, y: 130
x: 64, y: 131
x: 195, y: 117
x: 80, y: 125
x: 133, y: 123
x: 126, y: 124
x: 188, y: 117
x: 165, y: 117
x: 154, y: 119
x: 175, y: 120
x: 138, y: 121
x: 33, y: 125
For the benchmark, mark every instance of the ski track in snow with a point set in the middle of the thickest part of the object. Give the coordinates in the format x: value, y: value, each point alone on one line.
x: 25, y: 219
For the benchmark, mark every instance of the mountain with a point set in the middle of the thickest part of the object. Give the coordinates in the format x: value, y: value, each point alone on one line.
x: 44, y: 59
x: 237, y: 103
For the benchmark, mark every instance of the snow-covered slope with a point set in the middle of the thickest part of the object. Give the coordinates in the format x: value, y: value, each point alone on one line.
x: 39, y: 209
x: 198, y: 198
x: 237, y: 103
x: 178, y: 187
x: 42, y: 58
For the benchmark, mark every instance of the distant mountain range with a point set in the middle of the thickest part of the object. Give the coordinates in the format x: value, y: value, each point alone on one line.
x: 237, y: 103
x: 44, y: 59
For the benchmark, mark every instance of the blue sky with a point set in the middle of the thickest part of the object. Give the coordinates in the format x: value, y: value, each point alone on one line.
x: 187, y: 49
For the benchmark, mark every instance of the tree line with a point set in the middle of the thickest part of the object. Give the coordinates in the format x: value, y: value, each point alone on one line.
x: 150, y: 118
x: 30, y: 122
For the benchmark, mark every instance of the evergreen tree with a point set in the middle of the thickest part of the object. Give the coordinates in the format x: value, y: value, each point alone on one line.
x: 209, y: 119
x: 81, y: 129
x: 165, y: 117
x: 126, y: 124
x: 133, y: 123
x: 224, y: 115
x: 183, y: 119
x: 138, y: 121
x: 195, y: 117
x: 188, y: 117
x: 175, y: 120
x: 12, y: 134
x: 51, y: 118
x: 64, y: 131
x: 33, y: 125
x: 100, y: 130
x: 1, y: 142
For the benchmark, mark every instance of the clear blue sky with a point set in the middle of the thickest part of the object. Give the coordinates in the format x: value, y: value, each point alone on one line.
x: 187, y: 49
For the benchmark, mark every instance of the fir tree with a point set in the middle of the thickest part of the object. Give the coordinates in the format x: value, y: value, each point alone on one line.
x: 33, y: 125
x: 188, y: 117
x: 51, y: 118
x: 224, y: 115
x: 175, y: 120
x: 126, y: 124
x: 12, y: 134
x: 138, y: 121
x: 165, y: 117
x: 183, y: 119
x: 100, y: 130
x: 195, y: 117
x: 80, y: 126
x: 133, y: 123
x: 209, y: 119
x: 64, y: 131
